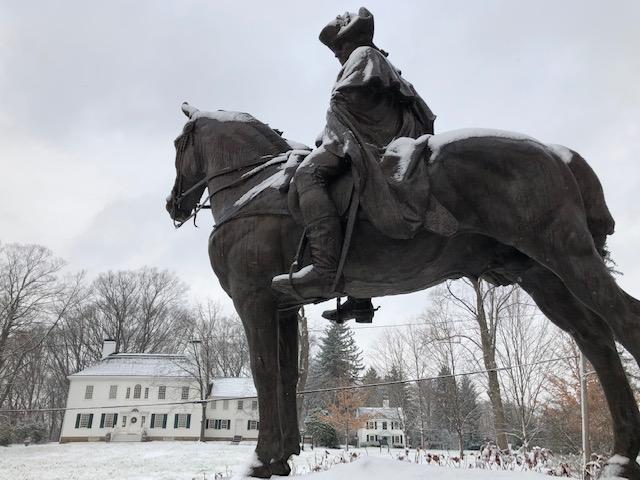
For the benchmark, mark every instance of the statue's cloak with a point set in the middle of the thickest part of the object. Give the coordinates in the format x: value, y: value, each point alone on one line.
x: 371, y: 105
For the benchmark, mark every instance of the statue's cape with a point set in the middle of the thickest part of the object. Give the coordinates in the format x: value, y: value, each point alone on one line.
x: 372, y: 105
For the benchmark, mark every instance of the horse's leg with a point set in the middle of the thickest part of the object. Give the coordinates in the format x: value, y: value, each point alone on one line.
x: 259, y: 315
x: 595, y: 340
x: 566, y: 247
x: 288, y: 360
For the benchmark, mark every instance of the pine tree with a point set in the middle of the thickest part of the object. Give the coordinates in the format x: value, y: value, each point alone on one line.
x: 339, y: 358
x: 373, y: 394
x: 397, y: 393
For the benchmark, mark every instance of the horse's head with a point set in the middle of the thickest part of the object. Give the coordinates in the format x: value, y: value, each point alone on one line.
x: 212, y: 145
x: 187, y: 190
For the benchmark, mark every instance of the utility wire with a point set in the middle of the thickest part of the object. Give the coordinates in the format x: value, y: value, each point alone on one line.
x: 303, y: 392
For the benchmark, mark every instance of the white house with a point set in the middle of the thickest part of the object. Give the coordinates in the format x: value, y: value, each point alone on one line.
x: 232, y: 409
x: 384, y: 424
x: 145, y: 396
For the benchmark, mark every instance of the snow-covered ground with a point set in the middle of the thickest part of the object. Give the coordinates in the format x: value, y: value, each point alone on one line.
x: 202, y: 461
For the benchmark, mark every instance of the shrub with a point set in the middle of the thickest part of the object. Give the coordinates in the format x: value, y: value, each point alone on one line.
x: 36, y: 431
x: 323, y: 434
x: 6, y: 434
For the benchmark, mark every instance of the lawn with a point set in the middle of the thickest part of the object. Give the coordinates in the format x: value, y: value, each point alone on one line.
x: 202, y: 461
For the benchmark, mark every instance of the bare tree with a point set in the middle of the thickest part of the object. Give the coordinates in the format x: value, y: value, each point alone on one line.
x: 485, y: 304
x: 140, y: 309
x: 525, y: 336
x: 342, y: 413
x: 29, y: 291
x: 456, y: 402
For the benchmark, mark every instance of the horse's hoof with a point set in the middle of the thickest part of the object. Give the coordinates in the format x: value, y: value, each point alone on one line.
x: 261, y: 471
x: 280, y: 467
x: 618, y: 467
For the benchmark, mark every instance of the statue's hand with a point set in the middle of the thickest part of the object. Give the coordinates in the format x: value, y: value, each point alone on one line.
x: 294, y: 157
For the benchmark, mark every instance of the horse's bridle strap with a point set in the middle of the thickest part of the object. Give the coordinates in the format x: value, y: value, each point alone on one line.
x: 223, y: 172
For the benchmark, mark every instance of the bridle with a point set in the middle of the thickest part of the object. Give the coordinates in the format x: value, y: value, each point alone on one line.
x: 183, y: 140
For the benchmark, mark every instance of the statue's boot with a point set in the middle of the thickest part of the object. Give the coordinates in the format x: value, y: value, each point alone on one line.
x: 359, y: 309
x: 316, y: 280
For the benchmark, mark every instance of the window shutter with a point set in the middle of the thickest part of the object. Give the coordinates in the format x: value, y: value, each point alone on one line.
x: 228, y: 424
x: 78, y: 420
x: 115, y: 419
x: 90, y: 420
x: 102, y: 421
x: 153, y: 420
x: 175, y: 421
x: 164, y: 420
x: 248, y: 424
x: 188, y: 420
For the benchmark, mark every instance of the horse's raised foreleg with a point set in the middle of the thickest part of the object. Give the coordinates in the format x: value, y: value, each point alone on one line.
x: 595, y: 340
x: 260, y: 319
x: 288, y: 360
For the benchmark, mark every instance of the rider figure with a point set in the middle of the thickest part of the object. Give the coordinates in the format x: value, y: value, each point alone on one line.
x: 379, y: 104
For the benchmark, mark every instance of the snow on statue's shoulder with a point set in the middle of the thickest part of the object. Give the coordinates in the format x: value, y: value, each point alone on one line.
x: 437, y: 142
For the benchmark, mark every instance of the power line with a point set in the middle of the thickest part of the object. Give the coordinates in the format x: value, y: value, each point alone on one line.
x: 303, y: 392
x: 393, y: 325
x: 437, y: 377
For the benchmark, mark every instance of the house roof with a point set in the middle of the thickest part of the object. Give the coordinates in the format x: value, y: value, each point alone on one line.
x: 392, y: 413
x: 238, y: 387
x: 138, y: 365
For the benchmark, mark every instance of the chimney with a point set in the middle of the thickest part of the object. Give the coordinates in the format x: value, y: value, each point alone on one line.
x: 385, y: 403
x: 108, y: 347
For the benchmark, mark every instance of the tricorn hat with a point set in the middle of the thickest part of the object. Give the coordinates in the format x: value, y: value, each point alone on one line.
x: 348, y: 27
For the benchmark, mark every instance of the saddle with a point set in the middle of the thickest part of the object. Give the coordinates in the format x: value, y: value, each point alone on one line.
x: 396, y: 160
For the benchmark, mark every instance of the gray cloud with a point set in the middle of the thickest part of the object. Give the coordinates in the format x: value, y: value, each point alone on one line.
x: 89, y: 97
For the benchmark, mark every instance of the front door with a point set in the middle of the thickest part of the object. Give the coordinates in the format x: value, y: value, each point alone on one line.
x: 134, y: 423
x: 238, y: 430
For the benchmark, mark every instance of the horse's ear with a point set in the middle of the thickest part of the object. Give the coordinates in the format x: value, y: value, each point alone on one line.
x: 188, y: 110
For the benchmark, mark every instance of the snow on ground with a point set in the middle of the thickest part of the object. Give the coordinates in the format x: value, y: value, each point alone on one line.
x: 201, y: 461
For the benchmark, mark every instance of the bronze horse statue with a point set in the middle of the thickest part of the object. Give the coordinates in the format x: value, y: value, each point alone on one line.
x: 527, y: 213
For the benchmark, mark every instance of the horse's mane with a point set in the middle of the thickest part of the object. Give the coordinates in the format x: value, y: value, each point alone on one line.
x: 232, y: 138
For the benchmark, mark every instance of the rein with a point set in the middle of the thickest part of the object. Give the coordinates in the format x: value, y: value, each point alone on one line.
x: 226, y: 171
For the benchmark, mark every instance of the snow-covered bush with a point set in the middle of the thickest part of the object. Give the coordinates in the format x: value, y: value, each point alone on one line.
x: 34, y: 430
x: 323, y: 434
x: 6, y: 434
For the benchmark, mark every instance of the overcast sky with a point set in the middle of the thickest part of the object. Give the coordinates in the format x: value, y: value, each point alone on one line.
x: 90, y: 95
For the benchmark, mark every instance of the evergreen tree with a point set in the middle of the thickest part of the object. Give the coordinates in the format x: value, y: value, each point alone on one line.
x: 339, y: 358
x: 469, y: 416
x: 397, y: 394
x: 374, y: 394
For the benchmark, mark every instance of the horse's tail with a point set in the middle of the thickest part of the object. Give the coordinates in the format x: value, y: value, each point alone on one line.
x: 599, y: 219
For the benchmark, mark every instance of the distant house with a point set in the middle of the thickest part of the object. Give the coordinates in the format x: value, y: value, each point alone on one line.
x: 230, y: 418
x: 383, y: 426
x: 146, y: 396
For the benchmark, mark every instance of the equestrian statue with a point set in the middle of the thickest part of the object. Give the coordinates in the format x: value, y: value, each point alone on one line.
x: 387, y: 207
